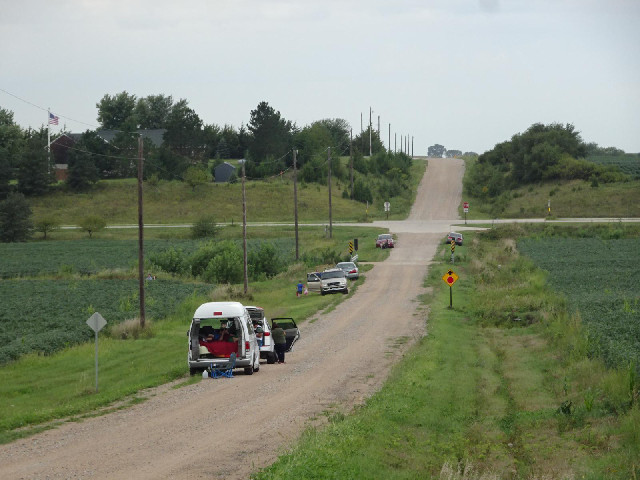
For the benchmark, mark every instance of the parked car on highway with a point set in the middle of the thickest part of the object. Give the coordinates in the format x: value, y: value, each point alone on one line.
x: 385, y: 240
x: 330, y: 281
x: 456, y: 237
x: 350, y: 269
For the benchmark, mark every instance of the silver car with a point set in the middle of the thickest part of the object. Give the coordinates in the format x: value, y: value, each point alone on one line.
x: 350, y: 269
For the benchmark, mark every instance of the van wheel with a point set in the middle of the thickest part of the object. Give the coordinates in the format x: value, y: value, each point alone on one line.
x: 345, y: 291
x: 248, y: 371
x: 271, y: 358
x: 193, y: 371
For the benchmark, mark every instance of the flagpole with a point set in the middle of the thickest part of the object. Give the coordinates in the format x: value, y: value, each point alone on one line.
x: 48, y: 140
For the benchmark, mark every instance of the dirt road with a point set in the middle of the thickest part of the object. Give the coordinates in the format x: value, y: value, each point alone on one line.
x: 228, y: 428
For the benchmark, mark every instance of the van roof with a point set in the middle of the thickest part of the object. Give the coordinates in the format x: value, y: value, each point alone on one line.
x: 219, y: 309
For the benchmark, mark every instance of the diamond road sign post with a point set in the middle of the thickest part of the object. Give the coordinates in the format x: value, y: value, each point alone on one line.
x: 450, y: 278
x: 96, y: 322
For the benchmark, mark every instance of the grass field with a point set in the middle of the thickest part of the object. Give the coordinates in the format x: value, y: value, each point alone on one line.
x: 171, y: 202
x: 509, y: 399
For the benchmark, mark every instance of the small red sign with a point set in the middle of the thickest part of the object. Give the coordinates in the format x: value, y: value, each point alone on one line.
x: 465, y: 204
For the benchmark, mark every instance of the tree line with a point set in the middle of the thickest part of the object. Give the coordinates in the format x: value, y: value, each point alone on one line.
x: 190, y: 150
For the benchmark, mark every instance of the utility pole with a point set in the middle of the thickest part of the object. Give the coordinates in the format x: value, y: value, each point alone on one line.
x: 370, y: 128
x: 140, y: 235
x: 244, y: 231
x: 361, y: 135
x: 379, y: 126
x: 395, y: 142
x: 295, y: 198
x: 412, y: 145
x: 389, y: 138
x: 329, y: 181
x: 351, y: 162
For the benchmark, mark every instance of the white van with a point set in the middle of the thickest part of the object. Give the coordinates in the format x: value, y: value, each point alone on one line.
x: 219, y: 329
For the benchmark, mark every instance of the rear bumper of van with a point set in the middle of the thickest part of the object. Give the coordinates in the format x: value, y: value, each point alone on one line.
x: 205, y: 362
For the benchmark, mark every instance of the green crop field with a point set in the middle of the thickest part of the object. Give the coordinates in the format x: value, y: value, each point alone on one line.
x: 601, y: 280
x: 48, y: 315
x: 77, y: 256
x: 90, y: 256
x: 628, y: 163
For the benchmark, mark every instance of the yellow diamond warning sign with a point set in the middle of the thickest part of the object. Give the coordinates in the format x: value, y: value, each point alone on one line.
x: 450, y: 277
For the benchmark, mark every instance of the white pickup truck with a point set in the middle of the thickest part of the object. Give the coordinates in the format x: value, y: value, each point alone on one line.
x: 330, y: 281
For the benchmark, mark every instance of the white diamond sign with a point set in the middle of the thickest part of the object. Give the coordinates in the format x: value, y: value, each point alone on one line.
x: 96, y: 322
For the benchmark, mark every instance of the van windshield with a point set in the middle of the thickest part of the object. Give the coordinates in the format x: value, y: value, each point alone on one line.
x: 337, y: 274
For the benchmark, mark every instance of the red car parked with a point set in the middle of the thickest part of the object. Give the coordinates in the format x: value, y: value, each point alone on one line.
x: 385, y: 240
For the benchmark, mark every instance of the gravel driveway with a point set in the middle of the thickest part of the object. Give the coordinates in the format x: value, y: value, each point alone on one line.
x: 227, y: 428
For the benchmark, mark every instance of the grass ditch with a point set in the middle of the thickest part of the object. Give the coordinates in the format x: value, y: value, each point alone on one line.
x: 485, y: 394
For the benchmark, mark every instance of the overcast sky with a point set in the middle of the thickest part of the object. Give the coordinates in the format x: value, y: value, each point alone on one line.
x: 466, y: 74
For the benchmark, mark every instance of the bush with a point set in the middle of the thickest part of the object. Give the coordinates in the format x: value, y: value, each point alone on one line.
x: 46, y: 225
x: 204, y: 227
x: 131, y: 329
x: 226, y: 266
x: 264, y: 261
x: 171, y: 261
x: 201, y: 258
x: 92, y: 224
x: 324, y: 256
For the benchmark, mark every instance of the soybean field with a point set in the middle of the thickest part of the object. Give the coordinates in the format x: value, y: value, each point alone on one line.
x: 47, y: 315
x: 84, y: 257
x: 601, y: 280
x: 628, y: 163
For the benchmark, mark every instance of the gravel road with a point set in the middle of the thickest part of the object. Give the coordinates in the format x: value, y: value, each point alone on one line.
x: 228, y: 428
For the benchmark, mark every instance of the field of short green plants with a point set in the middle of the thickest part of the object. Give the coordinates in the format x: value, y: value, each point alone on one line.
x: 47, y: 315
x: 628, y: 163
x: 601, y: 280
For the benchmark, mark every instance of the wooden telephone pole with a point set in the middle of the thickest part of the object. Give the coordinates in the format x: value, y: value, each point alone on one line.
x: 244, y: 232
x: 295, y: 199
x: 140, y: 235
x: 329, y: 180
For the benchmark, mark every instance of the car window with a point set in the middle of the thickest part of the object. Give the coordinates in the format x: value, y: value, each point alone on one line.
x: 336, y: 274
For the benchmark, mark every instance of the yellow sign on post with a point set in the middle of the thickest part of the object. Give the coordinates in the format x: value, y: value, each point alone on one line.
x: 450, y: 277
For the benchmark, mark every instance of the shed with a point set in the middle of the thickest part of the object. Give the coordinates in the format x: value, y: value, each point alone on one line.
x: 223, y: 172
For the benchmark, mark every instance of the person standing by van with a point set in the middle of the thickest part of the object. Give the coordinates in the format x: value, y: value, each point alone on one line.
x: 279, y: 341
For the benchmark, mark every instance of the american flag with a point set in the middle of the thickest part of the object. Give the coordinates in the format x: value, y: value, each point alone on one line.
x: 53, y: 119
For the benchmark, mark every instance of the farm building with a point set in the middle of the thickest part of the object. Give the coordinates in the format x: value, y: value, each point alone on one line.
x: 223, y: 172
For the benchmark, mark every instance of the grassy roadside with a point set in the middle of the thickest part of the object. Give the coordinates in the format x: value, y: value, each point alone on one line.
x: 38, y: 389
x: 480, y: 399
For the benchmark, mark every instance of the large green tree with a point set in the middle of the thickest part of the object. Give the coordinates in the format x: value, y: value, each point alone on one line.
x: 11, y: 144
x: 185, y: 133
x: 153, y: 111
x: 15, y: 219
x: 35, y: 173
x: 117, y: 112
x: 272, y: 135
x: 82, y: 173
